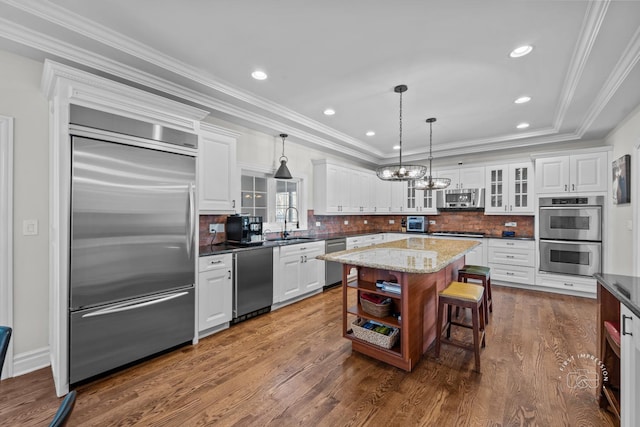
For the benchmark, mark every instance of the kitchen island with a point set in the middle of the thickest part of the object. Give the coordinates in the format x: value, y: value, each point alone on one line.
x: 421, y: 267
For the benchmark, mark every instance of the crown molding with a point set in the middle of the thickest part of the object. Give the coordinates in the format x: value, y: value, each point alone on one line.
x: 594, y: 16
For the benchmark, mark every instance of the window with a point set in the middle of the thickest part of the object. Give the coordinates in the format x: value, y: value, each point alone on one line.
x: 273, y: 199
x: 254, y: 196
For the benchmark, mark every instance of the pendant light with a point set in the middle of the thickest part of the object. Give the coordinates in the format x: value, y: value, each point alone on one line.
x: 400, y: 172
x: 283, y: 170
x: 429, y: 182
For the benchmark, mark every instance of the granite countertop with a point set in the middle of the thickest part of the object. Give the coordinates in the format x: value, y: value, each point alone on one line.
x: 626, y: 289
x: 410, y: 255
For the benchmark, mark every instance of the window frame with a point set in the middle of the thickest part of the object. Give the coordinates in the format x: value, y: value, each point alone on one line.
x: 269, y: 225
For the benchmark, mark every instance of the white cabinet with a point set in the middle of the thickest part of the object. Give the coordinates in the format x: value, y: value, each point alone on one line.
x: 217, y: 176
x: 567, y: 284
x: 215, y: 290
x: 464, y: 177
x: 629, y: 367
x: 574, y: 173
x: 338, y: 189
x: 365, y: 240
x: 298, y: 271
x: 512, y: 261
x: 509, y: 189
x: 419, y: 201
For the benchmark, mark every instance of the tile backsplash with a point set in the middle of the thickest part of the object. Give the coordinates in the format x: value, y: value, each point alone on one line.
x: 492, y: 225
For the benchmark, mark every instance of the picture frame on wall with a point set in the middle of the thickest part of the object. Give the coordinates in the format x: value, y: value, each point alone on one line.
x: 621, y: 170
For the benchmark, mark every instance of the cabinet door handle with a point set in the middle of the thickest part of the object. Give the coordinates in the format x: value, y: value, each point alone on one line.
x: 568, y: 284
x: 566, y: 188
x: 233, y: 204
x: 305, y: 258
x: 229, y: 274
x: 624, y: 325
x: 510, y: 256
x: 215, y: 261
x: 510, y: 273
x: 573, y: 187
x: 510, y: 244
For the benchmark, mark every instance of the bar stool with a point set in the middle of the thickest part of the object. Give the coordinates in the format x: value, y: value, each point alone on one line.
x: 465, y: 295
x: 610, y: 391
x: 483, y: 274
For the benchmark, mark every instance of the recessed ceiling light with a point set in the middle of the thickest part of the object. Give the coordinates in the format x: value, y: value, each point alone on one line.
x: 370, y: 133
x: 396, y: 147
x: 259, y: 75
x: 523, y: 125
x: 522, y: 100
x: 329, y: 112
x: 521, y: 51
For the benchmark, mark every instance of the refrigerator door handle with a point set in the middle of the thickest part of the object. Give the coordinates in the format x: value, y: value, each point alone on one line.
x: 192, y: 209
x: 134, y: 305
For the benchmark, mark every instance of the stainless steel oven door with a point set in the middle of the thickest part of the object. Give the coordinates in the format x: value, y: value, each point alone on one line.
x: 580, y: 258
x: 583, y: 223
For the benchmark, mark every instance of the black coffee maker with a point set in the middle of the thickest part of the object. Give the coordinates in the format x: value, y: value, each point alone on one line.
x: 244, y: 229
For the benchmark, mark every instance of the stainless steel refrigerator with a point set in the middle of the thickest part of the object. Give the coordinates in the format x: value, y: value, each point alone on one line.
x: 132, y: 269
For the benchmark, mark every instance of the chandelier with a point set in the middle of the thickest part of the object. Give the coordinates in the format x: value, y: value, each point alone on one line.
x: 429, y: 182
x: 400, y: 172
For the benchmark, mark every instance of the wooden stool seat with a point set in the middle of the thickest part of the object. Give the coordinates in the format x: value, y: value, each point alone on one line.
x: 465, y: 295
x: 610, y: 391
x: 483, y: 274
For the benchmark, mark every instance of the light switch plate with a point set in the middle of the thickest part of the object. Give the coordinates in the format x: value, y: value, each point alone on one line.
x: 510, y: 224
x: 392, y: 221
x: 346, y: 222
x: 318, y: 224
x: 432, y: 222
x: 30, y: 227
x: 366, y: 222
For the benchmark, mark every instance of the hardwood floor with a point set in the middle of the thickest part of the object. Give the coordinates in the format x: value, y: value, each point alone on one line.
x: 292, y: 367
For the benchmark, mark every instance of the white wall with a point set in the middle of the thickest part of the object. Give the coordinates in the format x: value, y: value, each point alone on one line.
x: 624, y: 139
x: 21, y: 98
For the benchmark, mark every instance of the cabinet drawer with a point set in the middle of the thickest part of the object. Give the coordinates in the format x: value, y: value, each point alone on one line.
x: 521, y: 257
x: 512, y: 244
x: 578, y: 284
x: 214, y: 262
x: 302, y: 248
x: 512, y: 273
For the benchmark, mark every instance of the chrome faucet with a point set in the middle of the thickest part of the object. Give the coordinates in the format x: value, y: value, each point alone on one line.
x: 285, y: 233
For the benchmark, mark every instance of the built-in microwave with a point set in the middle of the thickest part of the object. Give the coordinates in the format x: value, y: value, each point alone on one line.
x: 460, y: 198
x: 415, y: 224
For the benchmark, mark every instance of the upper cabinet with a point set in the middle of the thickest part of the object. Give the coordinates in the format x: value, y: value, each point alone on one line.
x: 509, y: 189
x: 464, y: 177
x: 217, y: 180
x: 575, y: 173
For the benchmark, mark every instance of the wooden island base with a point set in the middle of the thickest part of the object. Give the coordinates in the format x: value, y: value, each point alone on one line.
x: 417, y: 305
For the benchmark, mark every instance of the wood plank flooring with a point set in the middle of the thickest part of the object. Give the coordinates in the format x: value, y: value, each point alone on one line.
x: 292, y: 367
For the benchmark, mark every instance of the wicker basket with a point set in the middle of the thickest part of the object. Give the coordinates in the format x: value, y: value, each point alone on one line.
x: 378, y: 310
x: 384, y: 341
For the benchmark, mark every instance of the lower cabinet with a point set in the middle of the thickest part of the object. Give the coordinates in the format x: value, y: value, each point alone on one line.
x: 574, y: 285
x: 512, y: 261
x: 215, y: 292
x: 630, y: 367
x: 297, y: 271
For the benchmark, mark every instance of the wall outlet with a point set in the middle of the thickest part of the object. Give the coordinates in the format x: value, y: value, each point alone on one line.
x: 366, y: 222
x: 346, y: 222
x: 216, y: 228
x: 392, y: 221
x: 510, y: 224
x: 318, y: 224
x: 432, y: 222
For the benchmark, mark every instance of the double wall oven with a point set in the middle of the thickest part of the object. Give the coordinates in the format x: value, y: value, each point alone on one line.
x: 571, y: 235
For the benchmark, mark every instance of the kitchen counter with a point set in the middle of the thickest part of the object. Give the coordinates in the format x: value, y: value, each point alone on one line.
x: 410, y: 255
x: 626, y: 289
x: 421, y: 267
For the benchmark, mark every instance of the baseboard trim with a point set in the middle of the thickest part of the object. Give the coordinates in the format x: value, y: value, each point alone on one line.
x: 30, y: 361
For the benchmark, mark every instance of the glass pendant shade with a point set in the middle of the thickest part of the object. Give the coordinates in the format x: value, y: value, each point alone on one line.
x: 283, y: 170
x: 401, y: 172
x: 429, y: 182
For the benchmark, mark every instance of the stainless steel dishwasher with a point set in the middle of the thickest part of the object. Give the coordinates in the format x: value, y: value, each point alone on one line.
x: 333, y: 270
x: 253, y: 283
